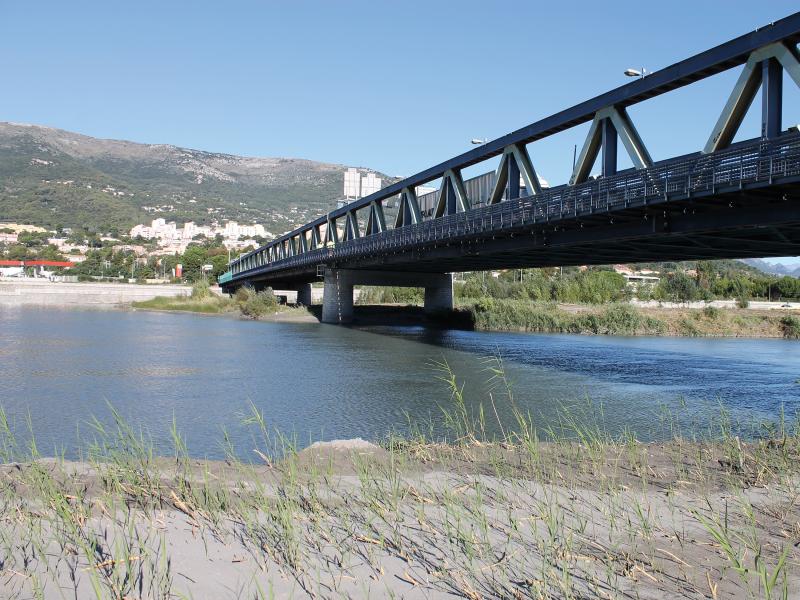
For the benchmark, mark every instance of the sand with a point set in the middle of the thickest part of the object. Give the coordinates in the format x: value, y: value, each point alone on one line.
x: 349, y: 519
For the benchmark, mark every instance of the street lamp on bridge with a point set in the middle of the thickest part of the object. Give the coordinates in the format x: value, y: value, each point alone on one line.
x: 640, y: 73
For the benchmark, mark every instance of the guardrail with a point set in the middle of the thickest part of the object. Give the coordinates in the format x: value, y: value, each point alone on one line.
x: 748, y: 163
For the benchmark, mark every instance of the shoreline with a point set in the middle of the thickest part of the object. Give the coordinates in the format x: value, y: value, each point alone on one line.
x: 527, y: 317
x: 288, y: 316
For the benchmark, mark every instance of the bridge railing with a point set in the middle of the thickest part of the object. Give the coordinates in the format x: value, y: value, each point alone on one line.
x: 751, y: 162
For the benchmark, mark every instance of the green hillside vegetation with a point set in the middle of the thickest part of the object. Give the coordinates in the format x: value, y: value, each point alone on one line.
x: 55, y: 178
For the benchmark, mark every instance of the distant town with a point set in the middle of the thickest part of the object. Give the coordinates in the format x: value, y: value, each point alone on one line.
x: 173, y: 239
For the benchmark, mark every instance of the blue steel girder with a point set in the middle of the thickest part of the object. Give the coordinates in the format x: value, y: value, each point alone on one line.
x: 768, y: 60
x: 452, y: 196
x: 376, y: 223
x: 315, y: 237
x: 331, y: 232
x: 514, y: 162
x: 351, y: 230
x: 782, y: 35
x: 408, y: 212
x: 607, y: 125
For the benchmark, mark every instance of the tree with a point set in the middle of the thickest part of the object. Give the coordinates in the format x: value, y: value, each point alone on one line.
x: 706, y: 274
x: 678, y: 287
x: 220, y: 262
x: 788, y: 287
x: 49, y: 252
x: 17, y: 252
x: 193, y: 260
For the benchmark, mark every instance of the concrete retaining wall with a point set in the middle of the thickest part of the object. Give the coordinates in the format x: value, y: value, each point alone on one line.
x: 46, y: 293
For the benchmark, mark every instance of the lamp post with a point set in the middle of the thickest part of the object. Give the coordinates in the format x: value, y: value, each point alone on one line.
x: 640, y: 73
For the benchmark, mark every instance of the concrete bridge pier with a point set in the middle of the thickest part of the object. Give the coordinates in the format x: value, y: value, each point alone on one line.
x: 304, y: 294
x: 439, y: 298
x: 337, y: 297
x: 337, y: 302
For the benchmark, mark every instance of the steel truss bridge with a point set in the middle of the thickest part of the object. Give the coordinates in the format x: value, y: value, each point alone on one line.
x: 726, y: 201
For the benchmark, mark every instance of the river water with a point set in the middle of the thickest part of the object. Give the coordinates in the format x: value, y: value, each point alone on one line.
x: 58, y: 368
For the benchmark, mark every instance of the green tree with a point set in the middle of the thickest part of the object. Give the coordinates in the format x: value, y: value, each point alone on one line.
x: 677, y: 287
x: 220, y: 263
x: 193, y: 260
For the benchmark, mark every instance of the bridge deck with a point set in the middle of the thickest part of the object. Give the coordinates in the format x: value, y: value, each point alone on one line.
x: 742, y: 201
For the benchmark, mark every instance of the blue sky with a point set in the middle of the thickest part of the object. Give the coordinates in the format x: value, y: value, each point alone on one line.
x: 395, y: 86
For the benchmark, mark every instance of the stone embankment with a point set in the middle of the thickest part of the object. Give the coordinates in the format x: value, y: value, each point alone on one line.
x: 26, y: 292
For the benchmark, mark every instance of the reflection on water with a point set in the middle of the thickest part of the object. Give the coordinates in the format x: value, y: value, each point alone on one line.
x: 326, y: 382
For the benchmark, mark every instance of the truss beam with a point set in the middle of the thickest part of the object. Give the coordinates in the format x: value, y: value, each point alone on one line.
x: 331, y: 233
x: 408, y: 213
x: 514, y: 163
x: 351, y: 230
x: 763, y: 68
x: 609, y: 124
x: 376, y: 223
x: 452, y: 195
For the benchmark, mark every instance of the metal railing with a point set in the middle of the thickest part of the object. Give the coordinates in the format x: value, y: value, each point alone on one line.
x: 748, y: 163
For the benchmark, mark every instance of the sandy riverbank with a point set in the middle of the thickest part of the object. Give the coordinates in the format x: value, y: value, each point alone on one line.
x: 351, y: 519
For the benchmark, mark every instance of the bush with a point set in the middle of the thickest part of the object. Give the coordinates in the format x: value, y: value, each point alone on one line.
x: 243, y: 294
x: 711, y: 312
x: 622, y: 319
x: 742, y: 302
x: 515, y: 315
x: 677, y: 287
x: 390, y: 295
x: 791, y: 327
x: 201, y: 290
x: 257, y: 304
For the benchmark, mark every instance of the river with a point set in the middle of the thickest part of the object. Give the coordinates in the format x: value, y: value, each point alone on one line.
x: 58, y: 368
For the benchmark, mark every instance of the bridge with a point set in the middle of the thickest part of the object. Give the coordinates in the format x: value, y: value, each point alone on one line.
x: 729, y: 200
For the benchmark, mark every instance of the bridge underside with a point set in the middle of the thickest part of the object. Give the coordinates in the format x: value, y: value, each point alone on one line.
x: 734, y: 224
x: 731, y: 200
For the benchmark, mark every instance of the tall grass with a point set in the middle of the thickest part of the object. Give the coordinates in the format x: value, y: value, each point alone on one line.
x: 615, y: 319
x: 548, y: 509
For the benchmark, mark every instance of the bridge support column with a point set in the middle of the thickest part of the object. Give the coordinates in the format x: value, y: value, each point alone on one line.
x: 304, y: 294
x: 439, y: 294
x: 337, y: 299
x: 337, y: 303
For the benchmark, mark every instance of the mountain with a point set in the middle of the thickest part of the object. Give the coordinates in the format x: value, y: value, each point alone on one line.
x: 775, y: 269
x: 51, y: 177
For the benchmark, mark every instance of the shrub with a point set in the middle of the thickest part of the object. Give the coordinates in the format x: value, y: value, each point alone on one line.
x: 259, y: 304
x: 484, y: 305
x: 711, y: 312
x: 243, y: 294
x: 390, y: 295
x: 677, y: 287
x: 622, y: 318
x: 791, y: 327
x: 687, y: 328
x: 201, y: 290
x: 742, y: 302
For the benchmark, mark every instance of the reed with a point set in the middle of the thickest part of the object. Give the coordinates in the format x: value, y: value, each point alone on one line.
x: 564, y: 509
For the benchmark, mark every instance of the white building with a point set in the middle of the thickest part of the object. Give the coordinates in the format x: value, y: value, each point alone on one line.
x: 357, y: 185
x: 352, y: 183
x: 169, y: 235
x: 370, y: 184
